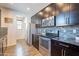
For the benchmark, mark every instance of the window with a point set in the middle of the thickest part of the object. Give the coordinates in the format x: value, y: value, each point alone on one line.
x: 19, y: 24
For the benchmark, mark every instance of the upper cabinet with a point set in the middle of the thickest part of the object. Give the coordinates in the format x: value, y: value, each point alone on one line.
x: 74, y: 14
x: 68, y: 14
x: 49, y: 16
x: 63, y: 15
x: 0, y: 18
x: 58, y: 14
x: 48, y: 22
x: 35, y: 19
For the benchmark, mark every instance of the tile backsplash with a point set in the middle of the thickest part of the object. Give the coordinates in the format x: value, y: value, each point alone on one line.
x: 68, y: 31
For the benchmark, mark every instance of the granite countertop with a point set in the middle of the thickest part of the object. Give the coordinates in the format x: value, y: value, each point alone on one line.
x: 45, y: 36
x: 67, y: 40
x: 3, y: 31
x: 64, y: 39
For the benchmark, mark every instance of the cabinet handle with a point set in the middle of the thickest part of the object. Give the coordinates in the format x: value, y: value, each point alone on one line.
x: 62, y: 52
x: 68, y: 20
x: 63, y: 45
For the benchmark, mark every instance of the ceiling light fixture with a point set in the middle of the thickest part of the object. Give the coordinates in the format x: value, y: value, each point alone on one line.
x: 60, y: 4
x: 11, y: 3
x: 28, y: 9
x: 48, y: 9
x: 46, y: 15
x: 40, y: 13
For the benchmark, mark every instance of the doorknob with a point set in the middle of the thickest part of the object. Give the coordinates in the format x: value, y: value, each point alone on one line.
x: 66, y: 21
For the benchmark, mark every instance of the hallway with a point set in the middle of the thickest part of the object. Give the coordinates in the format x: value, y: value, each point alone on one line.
x: 21, y: 49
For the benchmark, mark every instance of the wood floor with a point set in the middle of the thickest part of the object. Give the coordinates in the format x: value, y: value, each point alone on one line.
x: 21, y: 49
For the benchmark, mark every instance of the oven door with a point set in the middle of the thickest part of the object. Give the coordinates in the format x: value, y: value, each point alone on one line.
x: 44, y: 46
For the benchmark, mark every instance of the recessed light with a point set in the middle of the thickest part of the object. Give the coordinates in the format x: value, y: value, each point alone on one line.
x: 46, y: 15
x: 48, y: 9
x: 60, y: 4
x: 47, y: 18
x: 40, y: 13
x: 28, y: 9
x: 54, y: 13
x: 11, y: 3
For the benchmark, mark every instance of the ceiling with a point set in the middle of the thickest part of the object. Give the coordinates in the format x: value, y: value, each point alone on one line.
x: 22, y: 7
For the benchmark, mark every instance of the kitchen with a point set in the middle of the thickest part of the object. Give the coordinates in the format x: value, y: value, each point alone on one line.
x: 57, y: 30
x: 52, y: 31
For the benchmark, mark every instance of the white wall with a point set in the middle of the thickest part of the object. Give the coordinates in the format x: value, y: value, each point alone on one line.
x: 12, y: 35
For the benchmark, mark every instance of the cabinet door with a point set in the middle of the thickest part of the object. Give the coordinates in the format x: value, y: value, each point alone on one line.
x: 71, y: 52
x: 0, y: 17
x: 74, y: 17
x: 60, y: 20
x: 4, y: 43
x: 74, y: 14
x: 66, y: 11
x: 37, y: 42
x: 55, y: 49
x: 1, y: 47
x: 33, y: 40
x: 63, y: 16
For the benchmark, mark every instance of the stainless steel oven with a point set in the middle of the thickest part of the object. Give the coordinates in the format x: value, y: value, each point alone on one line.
x: 45, y: 46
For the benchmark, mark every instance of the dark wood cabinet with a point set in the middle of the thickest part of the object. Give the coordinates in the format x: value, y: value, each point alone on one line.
x: 74, y: 18
x: 63, y: 49
x: 74, y: 14
x: 62, y: 18
x: 3, y: 45
x: 64, y: 14
x: 56, y: 50
x: 72, y: 51
x: 35, y: 41
x: 48, y: 22
x: 68, y: 15
x: 0, y: 18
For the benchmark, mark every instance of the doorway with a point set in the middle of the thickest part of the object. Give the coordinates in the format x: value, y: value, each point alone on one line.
x: 20, y: 28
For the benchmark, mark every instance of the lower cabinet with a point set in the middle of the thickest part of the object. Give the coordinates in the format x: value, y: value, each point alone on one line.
x: 72, y: 51
x: 56, y: 50
x: 63, y: 49
x: 1, y: 48
x: 3, y: 45
x: 35, y: 41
